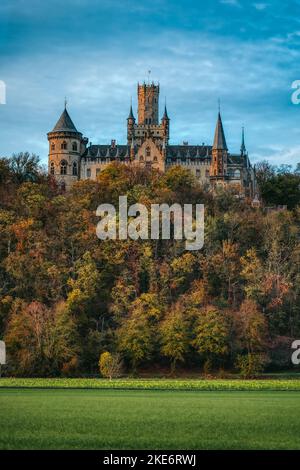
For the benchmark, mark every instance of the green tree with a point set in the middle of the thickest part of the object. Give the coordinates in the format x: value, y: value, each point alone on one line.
x: 175, y: 337
x: 110, y: 365
x: 212, y: 334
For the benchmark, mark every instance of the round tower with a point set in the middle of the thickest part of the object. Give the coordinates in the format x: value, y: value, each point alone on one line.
x: 66, y: 145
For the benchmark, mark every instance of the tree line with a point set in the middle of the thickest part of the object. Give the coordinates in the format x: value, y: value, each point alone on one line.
x: 66, y: 297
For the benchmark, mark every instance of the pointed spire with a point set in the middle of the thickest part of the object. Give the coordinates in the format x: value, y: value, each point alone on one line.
x: 131, y: 116
x: 65, y: 123
x: 243, y: 147
x: 219, y: 139
x: 165, y: 115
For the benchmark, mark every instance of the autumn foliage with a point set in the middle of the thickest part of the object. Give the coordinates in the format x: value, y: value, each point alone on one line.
x: 66, y: 297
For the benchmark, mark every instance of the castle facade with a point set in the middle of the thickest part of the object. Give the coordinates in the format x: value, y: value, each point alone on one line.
x: 72, y: 158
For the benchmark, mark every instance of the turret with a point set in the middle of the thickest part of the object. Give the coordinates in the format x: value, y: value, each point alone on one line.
x: 218, y: 167
x: 166, y: 124
x: 130, y: 125
x: 66, y: 145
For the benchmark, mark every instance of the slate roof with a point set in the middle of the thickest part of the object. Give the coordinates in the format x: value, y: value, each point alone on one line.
x: 108, y: 151
x: 165, y: 115
x: 189, y: 151
x: 65, y: 123
x: 131, y: 116
x: 174, y: 152
x: 219, y: 139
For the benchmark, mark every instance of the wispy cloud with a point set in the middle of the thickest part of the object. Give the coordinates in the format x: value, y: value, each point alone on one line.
x: 260, y: 6
x: 234, y: 3
x: 98, y: 70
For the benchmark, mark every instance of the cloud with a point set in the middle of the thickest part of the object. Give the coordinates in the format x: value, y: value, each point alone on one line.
x: 98, y: 71
x: 260, y: 6
x: 234, y: 3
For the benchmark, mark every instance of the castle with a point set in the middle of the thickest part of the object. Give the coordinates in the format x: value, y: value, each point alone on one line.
x: 72, y: 159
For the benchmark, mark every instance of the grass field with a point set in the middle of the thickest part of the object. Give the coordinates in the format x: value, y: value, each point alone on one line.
x: 126, y: 419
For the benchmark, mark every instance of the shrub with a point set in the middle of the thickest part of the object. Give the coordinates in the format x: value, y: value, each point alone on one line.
x: 250, y: 365
x: 110, y: 365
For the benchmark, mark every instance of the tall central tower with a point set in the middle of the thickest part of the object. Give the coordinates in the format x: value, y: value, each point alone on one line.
x: 148, y: 124
x: 148, y: 97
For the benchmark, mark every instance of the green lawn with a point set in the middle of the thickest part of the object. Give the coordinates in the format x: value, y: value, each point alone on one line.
x: 126, y: 419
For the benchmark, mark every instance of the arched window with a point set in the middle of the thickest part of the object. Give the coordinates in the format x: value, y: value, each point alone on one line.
x: 75, y: 169
x: 74, y: 146
x: 155, y: 159
x: 64, y: 145
x: 52, y: 169
x: 141, y: 158
x: 63, y: 167
x: 148, y: 152
x: 88, y: 172
x: 52, y: 147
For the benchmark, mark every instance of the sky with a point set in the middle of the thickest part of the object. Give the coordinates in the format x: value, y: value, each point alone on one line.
x: 94, y: 52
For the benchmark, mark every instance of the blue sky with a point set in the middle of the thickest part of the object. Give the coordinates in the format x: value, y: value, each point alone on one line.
x: 95, y: 51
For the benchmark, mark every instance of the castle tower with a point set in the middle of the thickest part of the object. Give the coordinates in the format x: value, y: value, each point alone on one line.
x: 148, y: 125
x: 66, y: 145
x: 130, y: 126
x: 148, y: 98
x: 166, y: 124
x: 218, y: 167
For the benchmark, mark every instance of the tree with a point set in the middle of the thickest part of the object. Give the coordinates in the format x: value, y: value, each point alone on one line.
x: 24, y: 167
x: 264, y: 172
x: 250, y: 327
x: 211, y: 334
x: 110, y: 365
x: 136, y: 340
x: 175, y: 337
x: 40, y: 341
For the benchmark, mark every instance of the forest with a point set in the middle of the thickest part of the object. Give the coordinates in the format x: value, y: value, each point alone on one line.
x: 67, y: 298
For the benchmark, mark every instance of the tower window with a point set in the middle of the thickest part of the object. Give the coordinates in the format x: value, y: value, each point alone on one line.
x: 52, y: 169
x: 63, y: 167
x: 64, y: 145
x: 148, y: 152
x: 88, y: 173
x: 74, y: 146
x: 75, y: 171
x: 52, y: 147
